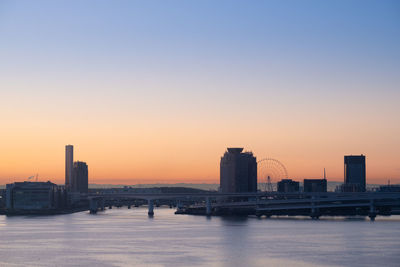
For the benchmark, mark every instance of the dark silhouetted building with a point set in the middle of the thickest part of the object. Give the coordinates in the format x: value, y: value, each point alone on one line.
x: 34, y: 196
x: 2, y: 198
x: 389, y: 188
x: 288, y: 186
x: 80, y: 179
x: 238, y: 171
x: 354, y: 174
x: 315, y: 185
x: 69, y: 164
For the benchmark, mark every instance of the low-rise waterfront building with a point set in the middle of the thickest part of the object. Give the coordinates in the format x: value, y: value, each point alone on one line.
x: 288, y: 186
x: 389, y: 188
x: 34, y: 196
x: 315, y: 185
x: 2, y: 199
x: 349, y: 188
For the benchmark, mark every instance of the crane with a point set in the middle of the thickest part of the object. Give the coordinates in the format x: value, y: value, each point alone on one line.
x: 33, y: 176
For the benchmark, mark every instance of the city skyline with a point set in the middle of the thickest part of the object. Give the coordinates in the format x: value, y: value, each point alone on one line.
x: 155, y: 93
x: 68, y: 158
x: 199, y: 133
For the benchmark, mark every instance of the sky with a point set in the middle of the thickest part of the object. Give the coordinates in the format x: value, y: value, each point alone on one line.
x: 155, y: 91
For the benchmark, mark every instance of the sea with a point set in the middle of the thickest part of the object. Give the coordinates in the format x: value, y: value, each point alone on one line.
x: 129, y: 237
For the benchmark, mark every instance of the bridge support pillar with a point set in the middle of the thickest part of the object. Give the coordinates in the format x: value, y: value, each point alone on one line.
x: 179, y: 205
x: 208, y: 206
x: 151, y: 207
x: 372, y: 211
x: 258, y: 213
x: 314, y: 211
x: 102, y: 208
x: 93, y: 206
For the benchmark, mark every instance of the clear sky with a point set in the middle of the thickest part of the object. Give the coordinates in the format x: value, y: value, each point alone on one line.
x: 154, y: 91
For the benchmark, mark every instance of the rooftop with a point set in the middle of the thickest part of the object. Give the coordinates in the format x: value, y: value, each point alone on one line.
x: 235, y: 150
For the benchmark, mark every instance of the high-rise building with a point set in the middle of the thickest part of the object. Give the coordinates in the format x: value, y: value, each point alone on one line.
x: 80, y: 180
x: 354, y: 173
x: 69, y: 164
x: 288, y: 186
x: 238, y: 171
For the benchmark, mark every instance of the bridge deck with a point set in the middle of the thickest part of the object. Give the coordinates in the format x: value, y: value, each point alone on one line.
x: 261, y: 202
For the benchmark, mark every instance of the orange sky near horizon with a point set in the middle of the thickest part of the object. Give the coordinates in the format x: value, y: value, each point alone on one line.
x: 151, y: 93
x: 180, y: 138
x: 120, y: 155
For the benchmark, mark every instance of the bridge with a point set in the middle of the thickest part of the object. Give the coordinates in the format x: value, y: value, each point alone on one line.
x: 268, y: 204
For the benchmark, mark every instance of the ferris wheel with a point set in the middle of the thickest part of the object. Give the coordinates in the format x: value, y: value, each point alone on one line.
x: 268, y: 170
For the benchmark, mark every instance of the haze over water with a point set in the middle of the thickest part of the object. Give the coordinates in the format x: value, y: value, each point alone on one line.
x: 128, y: 237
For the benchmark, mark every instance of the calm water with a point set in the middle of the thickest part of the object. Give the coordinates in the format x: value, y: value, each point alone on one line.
x: 122, y: 237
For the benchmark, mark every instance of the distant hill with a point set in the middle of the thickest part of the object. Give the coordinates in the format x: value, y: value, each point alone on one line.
x: 186, y: 185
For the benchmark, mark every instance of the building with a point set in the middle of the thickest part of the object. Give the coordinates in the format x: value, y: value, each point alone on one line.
x: 354, y: 173
x: 315, y: 185
x: 288, y: 186
x: 76, y: 173
x: 2, y: 199
x: 69, y: 164
x: 389, y: 188
x: 348, y: 188
x: 238, y: 171
x: 34, y: 196
x: 80, y: 180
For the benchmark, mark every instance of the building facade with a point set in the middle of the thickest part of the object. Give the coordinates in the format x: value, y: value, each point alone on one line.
x: 238, y: 171
x: 69, y: 165
x: 288, y: 186
x: 315, y: 185
x: 80, y: 181
x: 2, y: 199
x: 389, y: 188
x: 354, y: 173
x: 34, y: 196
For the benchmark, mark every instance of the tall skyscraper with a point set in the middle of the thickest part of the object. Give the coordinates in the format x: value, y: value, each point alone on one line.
x: 238, y: 171
x: 80, y: 180
x: 69, y: 164
x: 354, y: 173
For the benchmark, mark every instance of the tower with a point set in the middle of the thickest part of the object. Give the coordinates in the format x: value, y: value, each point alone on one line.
x: 354, y: 173
x: 69, y: 164
x: 238, y: 171
x: 80, y: 177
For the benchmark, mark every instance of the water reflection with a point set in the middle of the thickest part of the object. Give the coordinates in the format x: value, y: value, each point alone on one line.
x: 127, y: 237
